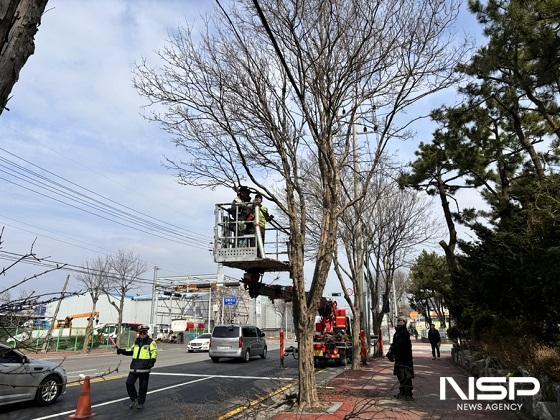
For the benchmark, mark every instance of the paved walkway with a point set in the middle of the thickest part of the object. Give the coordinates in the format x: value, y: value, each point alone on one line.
x: 367, y: 393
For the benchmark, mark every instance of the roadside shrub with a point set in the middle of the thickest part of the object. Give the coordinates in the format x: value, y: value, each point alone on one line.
x: 453, y: 333
x: 482, y: 324
x: 521, y: 350
x: 545, y: 360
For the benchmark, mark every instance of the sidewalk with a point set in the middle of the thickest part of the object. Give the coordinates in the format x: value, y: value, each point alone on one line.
x: 367, y: 393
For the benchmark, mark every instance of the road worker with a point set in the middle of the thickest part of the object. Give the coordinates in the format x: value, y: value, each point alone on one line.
x: 144, y: 354
x: 264, y: 215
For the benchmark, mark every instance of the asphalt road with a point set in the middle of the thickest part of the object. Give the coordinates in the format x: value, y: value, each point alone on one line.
x: 93, y: 365
x: 183, y: 385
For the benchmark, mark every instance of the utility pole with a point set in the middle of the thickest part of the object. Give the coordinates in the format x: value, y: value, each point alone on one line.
x: 153, y: 312
x: 395, y: 298
x: 359, y: 234
x: 209, y: 306
x: 256, y: 312
x: 220, y: 281
x: 47, y: 341
x: 286, y: 318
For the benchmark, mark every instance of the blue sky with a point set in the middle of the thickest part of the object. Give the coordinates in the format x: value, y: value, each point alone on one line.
x: 74, y: 112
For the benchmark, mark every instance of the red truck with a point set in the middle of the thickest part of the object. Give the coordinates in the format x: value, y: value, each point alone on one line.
x: 332, y: 339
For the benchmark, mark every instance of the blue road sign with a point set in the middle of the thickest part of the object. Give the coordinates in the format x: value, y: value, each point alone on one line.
x: 230, y: 300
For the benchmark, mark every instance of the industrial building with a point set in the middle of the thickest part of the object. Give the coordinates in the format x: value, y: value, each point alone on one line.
x: 227, y: 305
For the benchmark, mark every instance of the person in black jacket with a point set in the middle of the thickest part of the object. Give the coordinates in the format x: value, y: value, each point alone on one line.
x: 401, y: 353
x: 144, y: 354
x: 435, y: 341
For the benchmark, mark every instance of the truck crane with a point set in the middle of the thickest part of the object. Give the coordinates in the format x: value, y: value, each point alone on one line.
x: 67, y: 322
x: 333, y: 338
x: 243, y: 248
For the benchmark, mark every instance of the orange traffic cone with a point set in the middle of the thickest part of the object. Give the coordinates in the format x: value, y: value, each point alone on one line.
x: 83, y: 410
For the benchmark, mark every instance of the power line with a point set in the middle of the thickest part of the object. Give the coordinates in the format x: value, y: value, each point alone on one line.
x: 31, y: 177
x: 12, y: 256
x: 103, y: 217
x: 51, y: 237
x: 100, y: 195
x: 21, y: 174
x: 47, y: 263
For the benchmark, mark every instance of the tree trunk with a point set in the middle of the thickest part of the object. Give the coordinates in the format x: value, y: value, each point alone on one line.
x: 119, y: 324
x: 19, y: 22
x: 307, y: 392
x: 526, y: 143
x: 307, y: 382
x: 46, y: 342
x: 89, y: 328
x: 448, y: 248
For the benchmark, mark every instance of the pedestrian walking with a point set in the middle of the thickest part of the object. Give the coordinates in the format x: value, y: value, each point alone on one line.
x: 435, y: 341
x: 144, y: 354
x: 400, y: 352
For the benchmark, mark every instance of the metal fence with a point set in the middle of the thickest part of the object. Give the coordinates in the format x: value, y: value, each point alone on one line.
x: 33, y: 339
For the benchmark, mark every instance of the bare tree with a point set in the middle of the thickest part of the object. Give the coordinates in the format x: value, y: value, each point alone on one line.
x: 14, y: 312
x: 264, y: 89
x: 400, y: 221
x: 376, y: 241
x: 125, y: 268
x: 93, y: 278
x: 19, y: 22
x: 402, y: 281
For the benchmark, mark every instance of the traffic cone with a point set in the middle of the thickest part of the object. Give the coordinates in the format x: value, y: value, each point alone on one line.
x: 83, y: 410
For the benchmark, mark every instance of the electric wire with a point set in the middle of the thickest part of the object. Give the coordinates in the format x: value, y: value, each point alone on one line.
x: 56, y: 235
x: 10, y: 256
x: 103, y: 217
x: 48, y: 263
x: 31, y: 177
x: 98, y: 195
x: 96, y: 205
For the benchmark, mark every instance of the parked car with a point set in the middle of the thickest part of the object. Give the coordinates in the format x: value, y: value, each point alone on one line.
x: 25, y: 379
x: 200, y: 343
x: 237, y: 341
x: 110, y: 330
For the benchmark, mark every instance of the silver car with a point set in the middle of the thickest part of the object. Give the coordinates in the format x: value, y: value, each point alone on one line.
x: 237, y: 341
x: 24, y: 379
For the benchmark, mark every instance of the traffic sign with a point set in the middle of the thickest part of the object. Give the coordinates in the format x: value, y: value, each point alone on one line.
x: 335, y: 294
x: 230, y: 300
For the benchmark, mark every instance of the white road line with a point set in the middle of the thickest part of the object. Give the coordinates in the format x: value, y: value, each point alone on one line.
x: 277, y: 378
x: 80, y: 371
x: 124, y: 399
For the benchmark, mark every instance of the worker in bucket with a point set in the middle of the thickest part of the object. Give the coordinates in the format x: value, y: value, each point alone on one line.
x: 144, y: 354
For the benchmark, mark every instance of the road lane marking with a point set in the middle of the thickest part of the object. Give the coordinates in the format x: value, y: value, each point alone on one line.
x: 273, y: 378
x: 80, y: 371
x: 124, y: 399
x: 98, y: 379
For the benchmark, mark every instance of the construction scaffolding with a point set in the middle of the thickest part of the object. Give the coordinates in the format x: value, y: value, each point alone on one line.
x: 198, y: 299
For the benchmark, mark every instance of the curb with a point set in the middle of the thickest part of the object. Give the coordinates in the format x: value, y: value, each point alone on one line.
x: 253, y: 403
x: 238, y: 410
